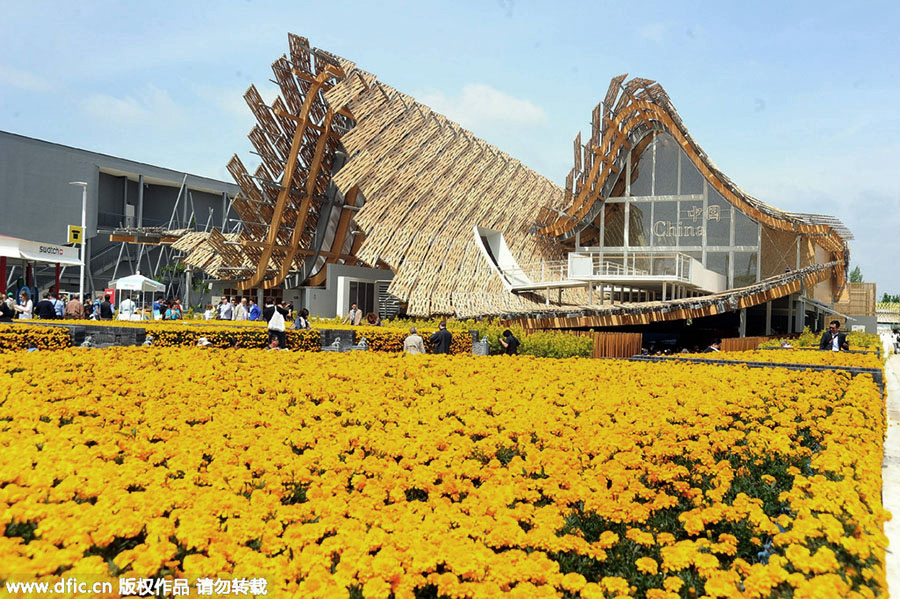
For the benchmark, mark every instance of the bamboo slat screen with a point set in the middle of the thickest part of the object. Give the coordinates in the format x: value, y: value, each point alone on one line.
x: 744, y: 343
x: 859, y: 300
x: 613, y: 345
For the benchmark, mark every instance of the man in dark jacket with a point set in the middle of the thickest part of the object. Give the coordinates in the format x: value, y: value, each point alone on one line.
x: 441, y: 339
x: 106, y: 309
x: 45, y: 310
x: 833, y: 339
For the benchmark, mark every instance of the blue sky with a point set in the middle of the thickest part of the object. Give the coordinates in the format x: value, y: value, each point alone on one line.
x: 797, y: 102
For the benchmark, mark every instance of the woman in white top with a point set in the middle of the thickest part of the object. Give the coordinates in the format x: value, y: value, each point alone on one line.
x: 26, y: 309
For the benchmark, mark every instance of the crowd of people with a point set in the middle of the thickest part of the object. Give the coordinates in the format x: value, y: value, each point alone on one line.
x: 56, y: 306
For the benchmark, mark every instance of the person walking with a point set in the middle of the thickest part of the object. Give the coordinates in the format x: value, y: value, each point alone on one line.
x: 441, y: 339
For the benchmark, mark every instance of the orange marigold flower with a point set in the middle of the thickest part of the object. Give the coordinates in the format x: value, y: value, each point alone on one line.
x: 673, y: 584
x: 647, y: 565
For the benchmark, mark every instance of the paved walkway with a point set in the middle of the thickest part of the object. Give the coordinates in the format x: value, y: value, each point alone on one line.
x: 891, y: 473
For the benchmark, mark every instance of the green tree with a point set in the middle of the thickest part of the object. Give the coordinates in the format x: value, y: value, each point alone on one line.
x: 856, y: 275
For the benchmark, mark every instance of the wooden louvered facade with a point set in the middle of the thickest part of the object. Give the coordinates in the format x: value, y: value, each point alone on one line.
x: 353, y: 171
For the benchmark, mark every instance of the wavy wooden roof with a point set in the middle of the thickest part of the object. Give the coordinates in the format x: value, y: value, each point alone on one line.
x: 629, y: 111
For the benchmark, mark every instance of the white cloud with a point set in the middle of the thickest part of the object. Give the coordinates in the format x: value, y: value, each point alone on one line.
x: 479, y: 106
x: 151, y: 106
x: 655, y: 32
x: 19, y: 79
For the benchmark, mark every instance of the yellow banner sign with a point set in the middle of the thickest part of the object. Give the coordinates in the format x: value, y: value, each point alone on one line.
x: 75, y: 234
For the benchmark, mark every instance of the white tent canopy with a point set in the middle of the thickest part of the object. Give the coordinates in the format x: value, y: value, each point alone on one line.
x: 137, y: 282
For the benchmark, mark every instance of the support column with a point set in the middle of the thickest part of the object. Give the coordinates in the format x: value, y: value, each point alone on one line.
x: 56, y: 278
x: 225, y: 213
x: 3, y: 276
x: 790, y: 314
x: 664, y: 291
x: 769, y: 318
x: 140, y: 206
x: 742, y: 327
x: 801, y: 317
x: 187, y: 288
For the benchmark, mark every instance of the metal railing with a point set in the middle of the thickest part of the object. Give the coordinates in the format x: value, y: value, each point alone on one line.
x: 538, y: 272
x: 631, y: 265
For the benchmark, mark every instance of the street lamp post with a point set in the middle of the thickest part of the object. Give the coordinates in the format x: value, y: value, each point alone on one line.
x: 83, y: 186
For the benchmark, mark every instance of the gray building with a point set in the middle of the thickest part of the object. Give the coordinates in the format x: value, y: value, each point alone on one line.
x: 39, y: 204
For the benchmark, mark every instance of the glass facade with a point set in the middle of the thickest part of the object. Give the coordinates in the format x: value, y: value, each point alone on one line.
x: 669, y: 206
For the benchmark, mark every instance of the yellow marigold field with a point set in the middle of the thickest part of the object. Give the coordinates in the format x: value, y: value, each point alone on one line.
x: 19, y: 336
x: 385, y: 475
x: 796, y: 356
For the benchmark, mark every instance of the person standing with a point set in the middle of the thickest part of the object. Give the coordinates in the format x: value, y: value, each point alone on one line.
x: 173, y: 312
x: 833, y: 339
x: 441, y: 339
x: 302, y: 321
x: 354, y: 316
x: 255, y: 312
x: 6, y: 313
x: 240, y: 310
x: 58, y: 305
x: 225, y: 309
x: 74, y: 309
x: 25, y: 307
x: 715, y: 346
x: 275, y: 316
x: 510, y: 343
x: 106, y: 309
x: 45, y: 309
x: 414, y: 344
x: 126, y: 309
x: 158, y: 308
